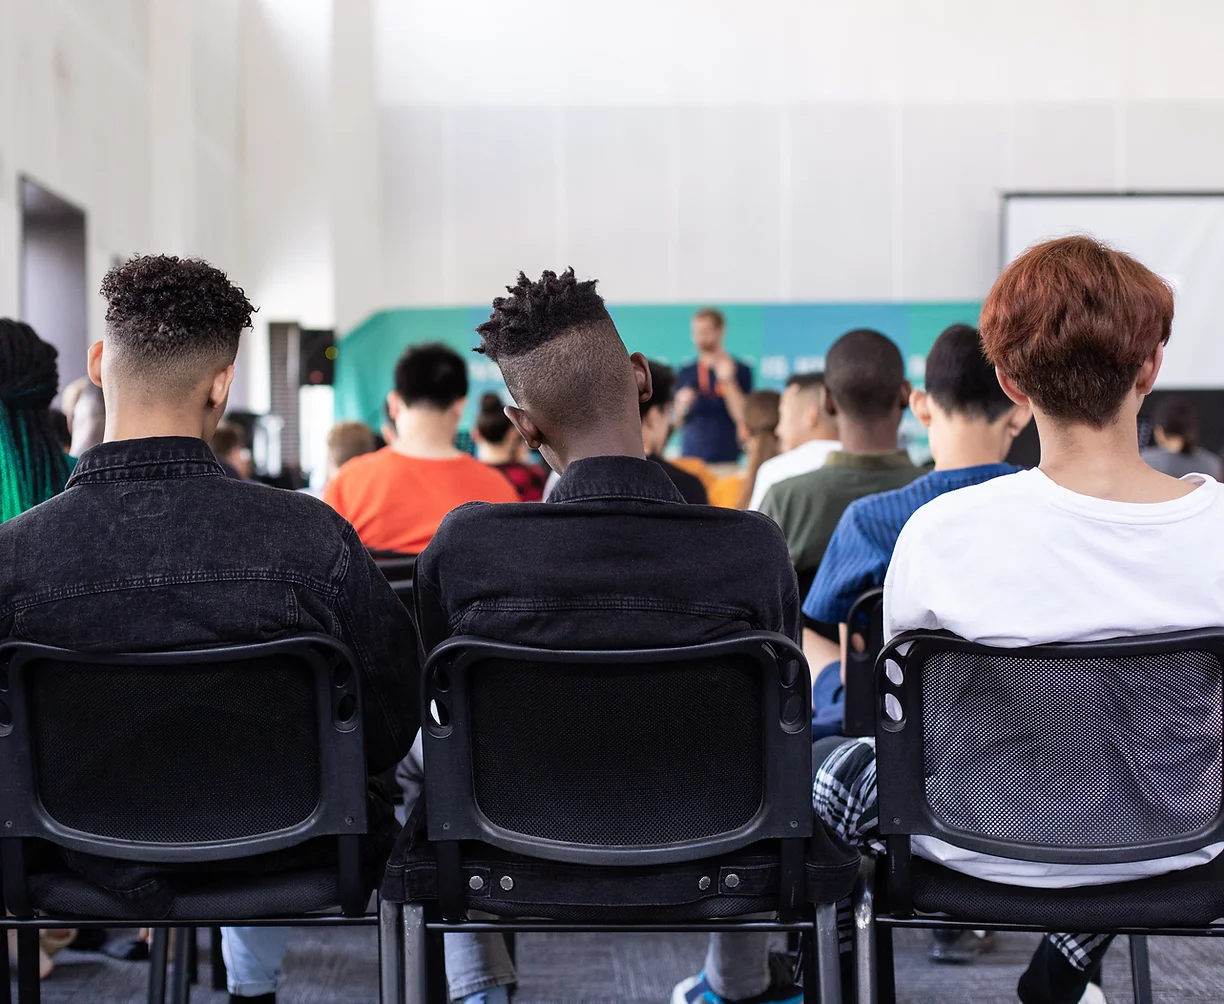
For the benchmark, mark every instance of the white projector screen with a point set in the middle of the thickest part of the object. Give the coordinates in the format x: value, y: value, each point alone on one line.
x: 1179, y: 236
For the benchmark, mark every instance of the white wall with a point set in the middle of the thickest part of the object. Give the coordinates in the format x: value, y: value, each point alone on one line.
x: 809, y: 150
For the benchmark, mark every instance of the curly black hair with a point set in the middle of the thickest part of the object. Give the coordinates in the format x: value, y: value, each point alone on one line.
x: 537, y: 312
x: 162, y: 309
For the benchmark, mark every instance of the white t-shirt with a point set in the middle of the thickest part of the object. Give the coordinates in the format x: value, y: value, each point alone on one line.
x: 792, y: 463
x: 1020, y: 560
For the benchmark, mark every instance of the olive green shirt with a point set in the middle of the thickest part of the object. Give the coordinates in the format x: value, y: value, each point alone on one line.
x: 808, y: 507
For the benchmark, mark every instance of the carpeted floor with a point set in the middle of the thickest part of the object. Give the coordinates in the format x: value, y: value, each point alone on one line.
x: 340, y: 967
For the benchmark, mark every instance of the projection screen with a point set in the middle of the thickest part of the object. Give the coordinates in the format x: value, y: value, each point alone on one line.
x: 1179, y: 236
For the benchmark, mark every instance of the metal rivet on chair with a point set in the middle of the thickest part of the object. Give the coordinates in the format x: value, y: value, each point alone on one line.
x: 476, y: 883
x: 703, y: 883
x: 731, y: 881
x: 506, y: 883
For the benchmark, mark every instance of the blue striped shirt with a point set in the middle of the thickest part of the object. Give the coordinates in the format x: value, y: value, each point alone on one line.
x: 862, y: 544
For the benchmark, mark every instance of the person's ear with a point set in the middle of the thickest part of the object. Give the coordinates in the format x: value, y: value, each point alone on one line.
x: 1018, y: 419
x: 904, y: 398
x: 525, y: 425
x: 827, y: 404
x: 456, y: 410
x: 93, y: 363
x: 394, y: 404
x: 920, y: 405
x: 1014, y: 393
x: 641, y: 373
x: 218, y: 391
x: 1149, y: 371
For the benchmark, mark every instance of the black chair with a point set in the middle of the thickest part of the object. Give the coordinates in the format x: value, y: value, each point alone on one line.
x: 403, y: 589
x: 190, y: 760
x: 1078, y: 754
x: 865, y: 629
x: 664, y: 789
x: 395, y: 565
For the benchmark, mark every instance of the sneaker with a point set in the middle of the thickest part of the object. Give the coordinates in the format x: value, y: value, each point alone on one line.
x: 959, y: 948
x: 696, y: 990
x: 1093, y: 995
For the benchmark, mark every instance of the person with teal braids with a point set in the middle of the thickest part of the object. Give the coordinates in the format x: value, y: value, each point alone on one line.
x: 33, y: 467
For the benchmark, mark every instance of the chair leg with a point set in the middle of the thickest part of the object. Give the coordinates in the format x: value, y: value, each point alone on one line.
x: 415, y: 978
x: 158, y: 951
x: 180, y: 968
x: 435, y: 968
x: 887, y: 968
x: 6, y: 994
x: 28, y: 989
x: 390, y: 954
x: 865, y: 956
x: 215, y: 955
x: 1141, y: 969
x: 827, y: 953
x: 193, y: 956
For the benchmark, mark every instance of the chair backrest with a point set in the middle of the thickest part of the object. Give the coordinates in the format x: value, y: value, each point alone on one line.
x: 618, y: 757
x: 1088, y: 753
x: 395, y: 565
x: 403, y: 590
x: 865, y: 638
x: 186, y: 756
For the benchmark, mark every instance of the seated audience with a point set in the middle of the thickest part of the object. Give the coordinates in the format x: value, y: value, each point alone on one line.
x: 759, y: 440
x: 657, y: 429
x: 33, y: 467
x: 162, y: 551
x: 807, y: 434
x: 710, y: 399
x: 578, y: 392
x: 866, y: 393
x: 499, y: 445
x: 229, y: 446
x: 1177, y: 452
x: 1093, y: 544
x: 396, y: 497
x: 88, y: 423
x: 346, y: 440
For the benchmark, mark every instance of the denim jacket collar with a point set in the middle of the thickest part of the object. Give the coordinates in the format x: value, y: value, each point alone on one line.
x: 146, y: 460
x: 615, y: 477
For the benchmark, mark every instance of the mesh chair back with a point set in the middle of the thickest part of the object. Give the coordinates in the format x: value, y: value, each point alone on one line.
x: 865, y: 638
x: 611, y: 756
x: 187, y: 755
x: 395, y: 565
x: 1097, y: 752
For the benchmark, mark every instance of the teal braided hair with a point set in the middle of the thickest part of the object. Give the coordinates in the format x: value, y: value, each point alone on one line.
x: 33, y: 466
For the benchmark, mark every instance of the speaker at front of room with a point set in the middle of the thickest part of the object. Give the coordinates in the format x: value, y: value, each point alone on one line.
x: 317, y: 355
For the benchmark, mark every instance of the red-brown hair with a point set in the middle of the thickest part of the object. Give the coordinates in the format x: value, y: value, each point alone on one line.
x: 1071, y: 321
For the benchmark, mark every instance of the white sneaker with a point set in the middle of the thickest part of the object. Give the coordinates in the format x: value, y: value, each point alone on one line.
x: 1093, y: 995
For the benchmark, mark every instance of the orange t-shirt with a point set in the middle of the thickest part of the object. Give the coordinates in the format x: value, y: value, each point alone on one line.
x: 395, y: 503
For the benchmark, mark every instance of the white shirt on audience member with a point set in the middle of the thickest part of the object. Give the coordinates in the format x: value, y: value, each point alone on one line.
x: 802, y: 459
x: 1021, y: 561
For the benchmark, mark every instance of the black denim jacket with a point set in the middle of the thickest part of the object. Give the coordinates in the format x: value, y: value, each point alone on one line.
x: 152, y: 547
x: 615, y: 558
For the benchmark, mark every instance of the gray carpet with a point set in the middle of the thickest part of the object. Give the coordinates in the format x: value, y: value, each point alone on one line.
x: 340, y: 967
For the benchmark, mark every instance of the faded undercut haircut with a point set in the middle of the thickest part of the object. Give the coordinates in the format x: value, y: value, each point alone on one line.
x: 171, y: 321
x: 558, y: 350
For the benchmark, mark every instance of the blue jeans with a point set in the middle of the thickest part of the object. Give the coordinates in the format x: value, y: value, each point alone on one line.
x: 254, y: 959
x: 828, y: 702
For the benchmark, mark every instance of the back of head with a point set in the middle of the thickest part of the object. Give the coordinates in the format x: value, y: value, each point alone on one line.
x: 171, y: 324
x: 1071, y: 322
x: 663, y: 387
x: 1175, y: 417
x: 227, y: 439
x: 492, y: 423
x: 33, y: 467
x: 761, y: 412
x: 761, y: 423
x: 960, y: 378
x: 864, y: 373
x: 88, y: 419
x: 431, y: 376
x: 347, y: 440
x: 560, y: 354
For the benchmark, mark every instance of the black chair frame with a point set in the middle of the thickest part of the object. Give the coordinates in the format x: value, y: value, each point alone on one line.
x: 785, y: 814
x: 865, y: 622
x: 884, y: 897
x: 340, y: 811
x: 395, y: 565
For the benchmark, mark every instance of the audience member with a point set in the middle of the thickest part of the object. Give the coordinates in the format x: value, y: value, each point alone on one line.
x: 151, y: 547
x: 1177, y: 451
x: 710, y: 399
x: 1092, y: 544
x: 346, y: 440
x: 499, y: 445
x: 70, y: 394
x: 229, y: 446
x: 807, y: 434
x: 866, y: 393
x: 88, y: 423
x: 32, y: 466
x: 656, y: 413
x: 63, y: 433
x: 758, y: 437
x: 578, y: 392
x: 396, y: 497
